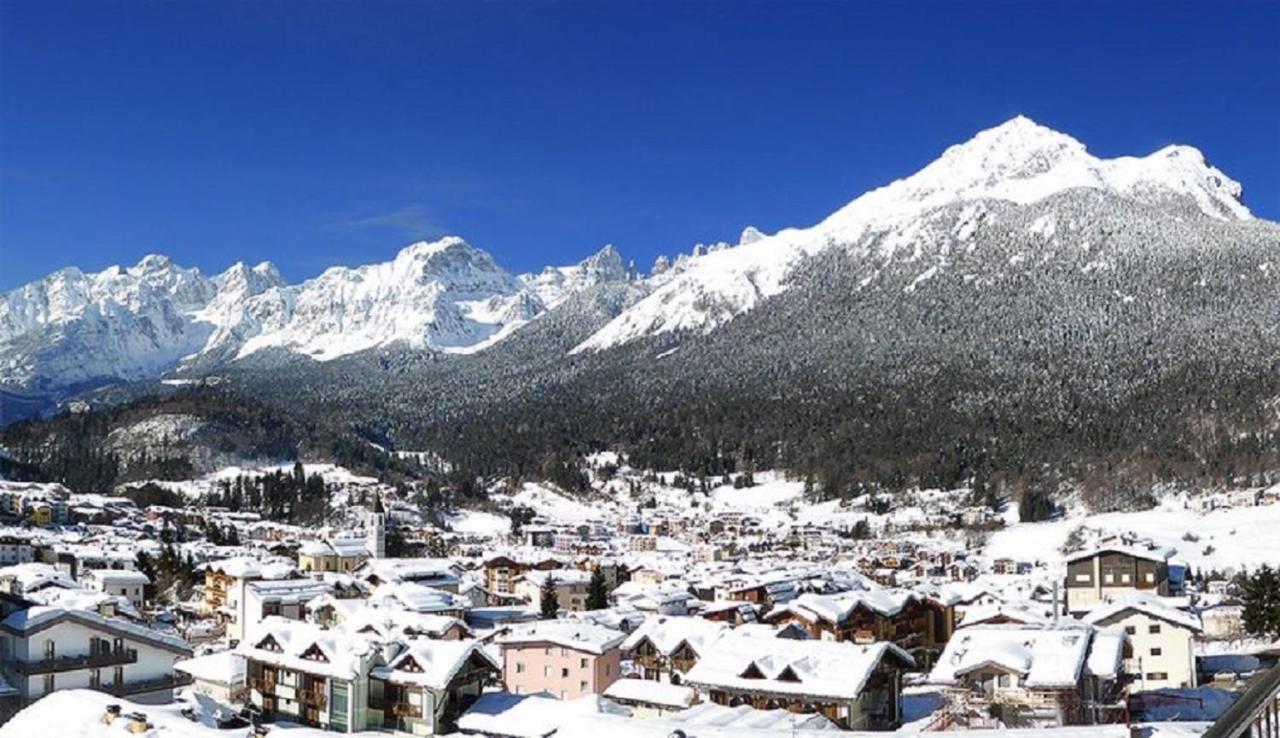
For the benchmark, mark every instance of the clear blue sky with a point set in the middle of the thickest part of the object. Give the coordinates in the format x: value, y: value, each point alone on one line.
x: 319, y: 133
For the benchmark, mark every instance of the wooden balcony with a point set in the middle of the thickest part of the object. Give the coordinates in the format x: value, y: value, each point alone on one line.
x: 312, y: 698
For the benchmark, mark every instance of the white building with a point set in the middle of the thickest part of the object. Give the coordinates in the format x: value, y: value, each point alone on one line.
x: 1161, y: 652
x: 130, y: 585
x: 43, y: 649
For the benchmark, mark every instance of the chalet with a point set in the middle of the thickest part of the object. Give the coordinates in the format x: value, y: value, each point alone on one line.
x: 1032, y: 676
x: 665, y: 648
x: 501, y: 572
x: 427, y: 687
x: 858, y: 687
x: 918, y: 624
x: 1115, y: 570
x: 349, y: 682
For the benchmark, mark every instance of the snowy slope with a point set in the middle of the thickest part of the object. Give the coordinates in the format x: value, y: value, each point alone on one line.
x: 1018, y: 161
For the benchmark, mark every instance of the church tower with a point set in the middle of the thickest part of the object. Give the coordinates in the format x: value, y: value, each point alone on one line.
x: 376, y: 530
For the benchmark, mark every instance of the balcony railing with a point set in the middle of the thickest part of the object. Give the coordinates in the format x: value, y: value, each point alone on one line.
x: 74, y: 663
x: 146, y: 685
x: 312, y: 699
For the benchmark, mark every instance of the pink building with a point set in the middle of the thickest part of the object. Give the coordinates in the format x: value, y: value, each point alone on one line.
x: 564, y: 658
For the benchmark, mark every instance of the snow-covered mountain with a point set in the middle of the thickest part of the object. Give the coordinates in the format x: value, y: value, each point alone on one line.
x: 73, y: 330
x: 1019, y: 161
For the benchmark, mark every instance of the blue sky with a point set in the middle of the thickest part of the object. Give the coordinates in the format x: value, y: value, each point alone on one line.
x: 320, y: 133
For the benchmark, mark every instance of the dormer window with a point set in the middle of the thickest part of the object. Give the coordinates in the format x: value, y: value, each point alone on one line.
x: 270, y: 644
x: 313, y: 653
x: 752, y: 672
x: 410, y: 665
x: 788, y: 675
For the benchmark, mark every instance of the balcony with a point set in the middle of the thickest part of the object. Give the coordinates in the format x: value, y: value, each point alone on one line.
x: 75, y: 663
x: 406, y: 710
x: 146, y: 685
x: 312, y: 699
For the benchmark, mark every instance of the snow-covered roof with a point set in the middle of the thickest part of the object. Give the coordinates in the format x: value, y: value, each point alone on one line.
x: 417, y: 598
x: 651, y: 692
x: 529, y: 716
x: 118, y: 576
x: 1149, y: 553
x: 39, y: 617
x: 344, y: 653
x: 1047, y: 656
x: 838, y: 607
x: 247, y: 567
x: 667, y: 633
x: 575, y: 634
x: 288, y: 590
x: 224, y: 667
x: 432, y: 664
x: 1111, y: 612
x: 784, y: 666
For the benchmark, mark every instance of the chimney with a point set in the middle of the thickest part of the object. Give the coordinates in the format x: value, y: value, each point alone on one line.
x: 138, y: 723
x: 113, y: 712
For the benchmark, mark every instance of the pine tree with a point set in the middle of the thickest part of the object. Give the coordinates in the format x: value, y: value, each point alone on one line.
x: 549, y: 602
x: 597, y: 591
x: 1261, y: 596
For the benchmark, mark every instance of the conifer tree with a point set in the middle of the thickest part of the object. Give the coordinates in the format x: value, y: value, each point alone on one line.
x: 549, y: 601
x: 597, y: 591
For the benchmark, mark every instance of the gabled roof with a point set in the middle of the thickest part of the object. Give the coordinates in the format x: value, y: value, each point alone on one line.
x: 35, y: 619
x: 1112, y: 612
x: 1049, y: 656
x: 345, y: 653
x: 667, y: 633
x: 432, y: 664
x: 1156, y: 554
x: 575, y: 634
x: 815, y: 668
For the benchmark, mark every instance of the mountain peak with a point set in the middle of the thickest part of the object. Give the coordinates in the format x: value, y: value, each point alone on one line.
x: 152, y: 263
x: 420, y: 250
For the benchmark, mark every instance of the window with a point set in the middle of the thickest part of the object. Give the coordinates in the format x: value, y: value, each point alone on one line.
x: 1155, y: 651
x: 338, y: 708
x: 48, y: 683
x: 1153, y: 628
x: 519, y: 668
x: 1157, y: 676
x: 1124, y: 578
x: 1151, y: 577
x: 582, y: 686
x: 1131, y: 629
x: 1108, y: 578
x: 564, y: 673
x: 1082, y: 577
x: 117, y: 676
x: 582, y: 663
x: 95, y: 679
x: 546, y: 671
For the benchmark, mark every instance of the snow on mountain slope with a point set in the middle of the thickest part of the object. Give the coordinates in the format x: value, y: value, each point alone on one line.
x: 1018, y: 161
x: 76, y: 330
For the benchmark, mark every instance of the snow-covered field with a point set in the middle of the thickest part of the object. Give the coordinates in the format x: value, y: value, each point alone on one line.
x: 475, y: 522
x: 193, y: 488
x: 1226, y: 539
